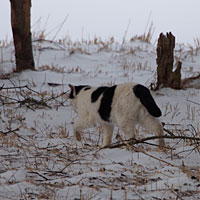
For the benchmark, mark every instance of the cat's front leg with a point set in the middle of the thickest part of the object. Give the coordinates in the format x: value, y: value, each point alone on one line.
x: 80, y: 124
x: 107, y: 135
x: 154, y: 125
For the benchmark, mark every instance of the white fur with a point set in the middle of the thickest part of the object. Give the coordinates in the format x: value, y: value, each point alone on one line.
x: 127, y: 111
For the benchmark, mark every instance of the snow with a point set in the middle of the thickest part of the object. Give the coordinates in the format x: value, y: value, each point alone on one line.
x: 39, y: 157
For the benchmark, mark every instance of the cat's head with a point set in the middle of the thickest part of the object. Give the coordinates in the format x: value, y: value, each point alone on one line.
x: 75, y: 91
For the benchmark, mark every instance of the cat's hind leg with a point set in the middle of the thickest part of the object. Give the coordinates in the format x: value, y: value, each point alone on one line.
x: 107, y: 135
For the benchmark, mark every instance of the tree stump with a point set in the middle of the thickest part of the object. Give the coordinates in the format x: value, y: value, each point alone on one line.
x: 20, y: 21
x: 166, y: 77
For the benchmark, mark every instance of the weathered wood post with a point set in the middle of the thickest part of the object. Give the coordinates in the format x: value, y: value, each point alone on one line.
x: 20, y: 21
x: 166, y: 77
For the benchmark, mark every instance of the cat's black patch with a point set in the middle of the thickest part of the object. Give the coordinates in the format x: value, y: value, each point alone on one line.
x: 147, y: 100
x: 96, y: 94
x: 106, y: 103
x: 71, y: 95
x: 78, y: 89
x: 87, y: 88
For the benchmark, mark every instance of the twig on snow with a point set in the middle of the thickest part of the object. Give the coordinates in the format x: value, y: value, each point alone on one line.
x: 33, y: 172
x: 18, y: 87
x: 143, y: 140
x: 10, y: 131
x: 13, y: 131
x: 193, y: 102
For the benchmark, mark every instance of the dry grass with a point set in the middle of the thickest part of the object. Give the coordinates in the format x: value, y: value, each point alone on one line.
x: 52, y: 160
x: 51, y: 166
x: 127, y: 66
x: 194, y: 51
x: 146, y: 36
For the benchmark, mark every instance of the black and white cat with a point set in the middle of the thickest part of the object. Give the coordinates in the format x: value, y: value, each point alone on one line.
x: 125, y: 105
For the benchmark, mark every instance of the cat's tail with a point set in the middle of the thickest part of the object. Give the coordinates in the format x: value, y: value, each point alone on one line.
x: 147, y: 100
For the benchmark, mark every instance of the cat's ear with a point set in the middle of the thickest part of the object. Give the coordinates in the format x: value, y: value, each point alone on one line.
x: 72, y: 94
x: 72, y: 87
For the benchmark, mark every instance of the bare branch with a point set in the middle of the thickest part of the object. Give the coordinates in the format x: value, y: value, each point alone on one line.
x: 143, y: 140
x: 13, y: 131
x: 10, y: 131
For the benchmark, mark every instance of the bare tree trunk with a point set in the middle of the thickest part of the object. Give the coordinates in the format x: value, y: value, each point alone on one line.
x: 166, y: 77
x: 20, y: 21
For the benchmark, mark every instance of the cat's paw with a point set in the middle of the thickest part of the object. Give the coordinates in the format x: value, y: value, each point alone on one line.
x: 106, y: 146
x: 161, y: 144
x: 77, y: 135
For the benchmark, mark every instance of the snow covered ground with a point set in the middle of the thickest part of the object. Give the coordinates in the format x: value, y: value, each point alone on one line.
x: 40, y: 159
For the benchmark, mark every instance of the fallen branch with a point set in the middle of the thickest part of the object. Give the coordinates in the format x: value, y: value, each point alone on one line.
x: 169, y: 137
x: 34, y: 101
x: 34, y: 172
x: 143, y: 140
x: 131, y: 142
x: 193, y: 102
x: 25, y: 101
x: 57, y: 96
x: 18, y: 87
x: 13, y: 131
x: 154, y: 157
x: 10, y: 131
